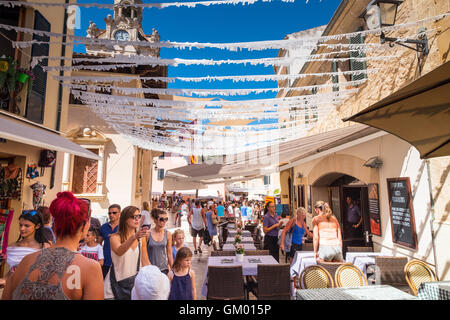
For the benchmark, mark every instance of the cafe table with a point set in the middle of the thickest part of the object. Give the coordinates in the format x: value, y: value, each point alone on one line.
x: 362, y: 259
x: 245, y: 233
x: 247, y: 246
x: 243, y: 240
x: 302, y: 259
x: 375, y: 292
x: 436, y: 290
x: 249, y: 266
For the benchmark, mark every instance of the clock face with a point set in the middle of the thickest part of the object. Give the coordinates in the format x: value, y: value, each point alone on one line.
x: 121, y: 35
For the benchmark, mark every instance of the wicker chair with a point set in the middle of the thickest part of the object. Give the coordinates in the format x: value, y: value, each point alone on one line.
x: 347, y: 275
x: 272, y: 283
x: 331, y: 267
x: 418, y: 272
x: 223, y: 253
x: 225, y: 283
x: 256, y: 252
x: 359, y: 249
x: 314, y: 277
x: 391, y: 271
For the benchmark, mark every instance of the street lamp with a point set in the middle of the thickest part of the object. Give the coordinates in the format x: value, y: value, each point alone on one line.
x: 382, y: 13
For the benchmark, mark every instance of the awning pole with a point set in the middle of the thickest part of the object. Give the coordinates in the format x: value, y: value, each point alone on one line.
x: 433, y: 236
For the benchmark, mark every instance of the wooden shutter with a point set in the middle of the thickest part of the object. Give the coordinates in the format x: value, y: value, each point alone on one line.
x: 355, y: 64
x: 36, y: 98
x: 160, y: 174
x: 85, y: 174
x: 334, y: 79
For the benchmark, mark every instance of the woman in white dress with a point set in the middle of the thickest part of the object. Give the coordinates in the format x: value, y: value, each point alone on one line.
x: 31, y: 239
x: 127, y: 249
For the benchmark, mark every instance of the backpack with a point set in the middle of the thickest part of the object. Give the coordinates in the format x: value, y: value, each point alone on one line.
x: 206, y: 237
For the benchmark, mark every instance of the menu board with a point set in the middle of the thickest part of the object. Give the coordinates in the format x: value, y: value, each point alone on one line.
x: 402, y: 213
x: 374, y: 209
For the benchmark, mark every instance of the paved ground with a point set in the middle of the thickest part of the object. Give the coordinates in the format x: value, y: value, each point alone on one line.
x: 199, y: 260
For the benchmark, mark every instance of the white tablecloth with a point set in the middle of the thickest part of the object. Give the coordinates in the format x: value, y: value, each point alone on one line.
x: 245, y: 233
x: 247, y: 246
x: 362, y: 259
x: 243, y: 240
x: 302, y: 259
x: 248, y: 269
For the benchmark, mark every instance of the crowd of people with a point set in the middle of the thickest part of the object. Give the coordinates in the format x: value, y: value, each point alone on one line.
x: 64, y: 253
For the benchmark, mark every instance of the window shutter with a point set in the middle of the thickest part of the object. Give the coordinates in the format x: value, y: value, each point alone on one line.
x: 266, y: 180
x: 36, y: 99
x: 85, y: 174
x: 335, y: 79
x: 160, y: 174
x: 355, y: 64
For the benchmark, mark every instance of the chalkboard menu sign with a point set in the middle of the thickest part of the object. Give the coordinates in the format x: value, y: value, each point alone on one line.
x: 402, y: 213
x: 374, y: 209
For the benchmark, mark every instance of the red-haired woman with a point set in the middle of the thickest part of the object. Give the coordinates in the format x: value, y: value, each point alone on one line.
x: 128, y: 254
x: 59, y: 272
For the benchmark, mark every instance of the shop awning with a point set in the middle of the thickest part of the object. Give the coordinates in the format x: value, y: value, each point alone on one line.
x: 287, y: 154
x: 418, y: 113
x: 172, y: 183
x: 20, y: 131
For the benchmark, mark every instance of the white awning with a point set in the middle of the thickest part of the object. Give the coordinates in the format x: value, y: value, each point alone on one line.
x: 20, y: 131
x: 171, y: 183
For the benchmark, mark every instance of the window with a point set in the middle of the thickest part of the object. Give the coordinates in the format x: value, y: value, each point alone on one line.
x: 160, y: 174
x: 162, y: 156
x: 266, y: 180
x: 335, y: 79
x: 36, y: 98
x: 357, y: 64
x: 85, y: 174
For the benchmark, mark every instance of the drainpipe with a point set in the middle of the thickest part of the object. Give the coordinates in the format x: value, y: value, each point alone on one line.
x: 433, y: 235
x: 60, y: 90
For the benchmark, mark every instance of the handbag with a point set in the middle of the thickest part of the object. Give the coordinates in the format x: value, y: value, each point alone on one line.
x: 214, y: 220
x: 287, y: 239
x: 122, y: 289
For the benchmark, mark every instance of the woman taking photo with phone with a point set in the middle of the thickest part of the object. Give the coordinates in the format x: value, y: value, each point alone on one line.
x: 159, y: 242
x: 128, y: 254
x: 59, y: 272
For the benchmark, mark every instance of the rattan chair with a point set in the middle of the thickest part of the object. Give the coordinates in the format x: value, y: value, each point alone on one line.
x: 272, y: 283
x: 390, y: 271
x: 225, y: 283
x: 359, y: 249
x: 418, y: 272
x: 331, y: 267
x: 256, y: 252
x: 347, y: 275
x: 223, y: 253
x: 314, y: 277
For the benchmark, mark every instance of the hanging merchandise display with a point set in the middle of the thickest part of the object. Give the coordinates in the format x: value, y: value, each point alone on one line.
x: 10, y: 181
x: 5, y: 223
x: 38, y: 194
x: 47, y: 159
x: 32, y: 171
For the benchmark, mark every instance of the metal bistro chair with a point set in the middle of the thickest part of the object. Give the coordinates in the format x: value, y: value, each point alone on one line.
x: 418, y: 272
x: 315, y: 277
x: 256, y: 252
x: 225, y: 283
x: 391, y: 271
x: 348, y: 275
x: 331, y: 267
x: 224, y: 253
x: 272, y: 283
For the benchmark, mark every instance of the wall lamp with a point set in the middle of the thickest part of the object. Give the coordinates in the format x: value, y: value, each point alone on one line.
x: 382, y: 13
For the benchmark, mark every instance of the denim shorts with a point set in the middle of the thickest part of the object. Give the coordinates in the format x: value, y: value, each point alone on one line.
x: 329, y: 253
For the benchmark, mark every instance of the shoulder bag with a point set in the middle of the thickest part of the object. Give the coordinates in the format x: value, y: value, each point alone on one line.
x: 122, y: 289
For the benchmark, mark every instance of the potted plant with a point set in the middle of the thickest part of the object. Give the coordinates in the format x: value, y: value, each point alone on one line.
x: 237, y: 239
x: 240, y: 252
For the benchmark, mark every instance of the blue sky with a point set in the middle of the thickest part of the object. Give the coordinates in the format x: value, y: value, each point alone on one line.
x: 223, y: 23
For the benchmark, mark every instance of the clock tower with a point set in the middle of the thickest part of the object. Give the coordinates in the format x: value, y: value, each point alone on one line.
x: 125, y: 25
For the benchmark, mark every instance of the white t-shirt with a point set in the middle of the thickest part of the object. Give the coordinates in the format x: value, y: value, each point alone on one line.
x: 146, y: 215
x: 95, y: 253
x: 230, y: 210
x: 184, y: 207
x: 237, y: 212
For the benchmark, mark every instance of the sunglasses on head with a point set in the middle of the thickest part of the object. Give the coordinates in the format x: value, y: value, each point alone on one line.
x: 29, y: 212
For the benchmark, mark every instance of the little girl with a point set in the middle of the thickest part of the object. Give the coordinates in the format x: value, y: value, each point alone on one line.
x: 181, y: 277
x: 92, y: 249
x: 178, y: 242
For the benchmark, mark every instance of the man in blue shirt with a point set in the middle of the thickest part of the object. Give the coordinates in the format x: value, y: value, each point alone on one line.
x: 105, y: 231
x: 354, y: 220
x: 220, y: 209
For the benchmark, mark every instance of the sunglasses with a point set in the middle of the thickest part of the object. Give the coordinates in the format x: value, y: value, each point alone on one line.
x: 29, y: 212
x: 136, y: 217
x: 163, y: 219
x: 112, y: 212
